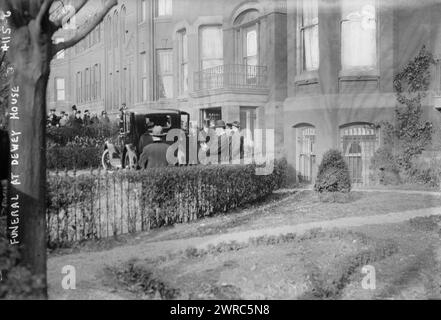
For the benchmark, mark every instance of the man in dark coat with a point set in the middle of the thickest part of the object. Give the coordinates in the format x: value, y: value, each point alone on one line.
x: 5, y: 167
x: 155, y: 154
x: 86, y: 118
x: 146, y: 137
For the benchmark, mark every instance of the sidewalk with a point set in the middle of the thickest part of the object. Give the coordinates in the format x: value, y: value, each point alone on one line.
x: 402, y: 191
x: 89, y: 265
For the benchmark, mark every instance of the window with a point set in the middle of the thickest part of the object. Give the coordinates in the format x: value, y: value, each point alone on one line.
x: 165, y: 74
x: 98, y: 33
x: 211, y: 49
x: 143, y: 10
x: 60, y: 54
x: 309, y: 35
x: 79, y: 85
x: 183, y: 62
x: 144, y: 66
x: 163, y: 8
x: 60, y: 94
x: 98, y: 81
x: 144, y: 89
x: 123, y: 26
x: 359, y: 143
x: 87, y: 84
x: 93, y: 84
x: 116, y: 102
x: 359, y: 34
x: 250, y: 47
x: 110, y: 92
x: 115, y: 36
x: 306, y: 140
x: 247, y: 44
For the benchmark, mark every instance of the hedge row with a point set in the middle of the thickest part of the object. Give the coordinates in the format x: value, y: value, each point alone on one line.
x: 189, y: 193
x: 106, y: 204
x: 63, y: 135
x: 73, y: 157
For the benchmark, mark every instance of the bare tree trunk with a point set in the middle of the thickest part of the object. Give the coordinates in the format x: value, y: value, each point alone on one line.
x: 31, y: 60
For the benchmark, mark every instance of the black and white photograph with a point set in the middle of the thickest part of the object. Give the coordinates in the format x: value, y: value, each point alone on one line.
x: 221, y: 155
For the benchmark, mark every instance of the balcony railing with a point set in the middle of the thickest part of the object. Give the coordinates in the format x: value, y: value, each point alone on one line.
x: 231, y: 76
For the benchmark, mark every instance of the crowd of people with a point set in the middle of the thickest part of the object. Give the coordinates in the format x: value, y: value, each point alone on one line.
x: 153, y: 148
x: 75, y: 118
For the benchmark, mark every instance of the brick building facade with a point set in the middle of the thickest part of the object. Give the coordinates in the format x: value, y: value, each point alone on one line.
x: 318, y: 72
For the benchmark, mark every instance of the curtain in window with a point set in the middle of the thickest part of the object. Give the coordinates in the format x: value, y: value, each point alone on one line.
x: 310, y: 35
x: 59, y: 83
x: 359, y: 43
x: 184, y: 62
x: 251, y: 49
x: 164, y: 7
x: 165, y: 74
x: 212, y: 47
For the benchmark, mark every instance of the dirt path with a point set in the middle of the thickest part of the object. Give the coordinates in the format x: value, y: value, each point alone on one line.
x: 90, y: 265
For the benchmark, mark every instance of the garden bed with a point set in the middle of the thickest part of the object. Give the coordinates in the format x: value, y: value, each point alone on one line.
x: 316, y: 265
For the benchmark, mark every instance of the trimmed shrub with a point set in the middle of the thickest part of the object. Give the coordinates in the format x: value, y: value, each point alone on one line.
x: 87, y: 135
x: 73, y: 157
x: 333, y: 174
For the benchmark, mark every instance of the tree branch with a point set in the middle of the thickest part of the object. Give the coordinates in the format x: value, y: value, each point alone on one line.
x: 44, y: 10
x: 77, y: 7
x: 83, y: 33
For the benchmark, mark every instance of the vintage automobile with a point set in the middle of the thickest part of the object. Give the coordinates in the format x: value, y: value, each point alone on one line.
x: 125, y: 152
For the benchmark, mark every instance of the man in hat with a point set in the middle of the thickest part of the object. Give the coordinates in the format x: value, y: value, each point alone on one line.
x: 104, y: 117
x: 86, y: 118
x: 64, y: 119
x: 155, y: 154
x: 53, y: 119
x: 72, y: 115
x: 223, y: 141
x: 237, y: 145
x: 146, y: 137
x: 78, y: 121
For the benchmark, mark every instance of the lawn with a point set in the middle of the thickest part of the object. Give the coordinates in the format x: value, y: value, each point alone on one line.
x: 280, y: 209
x: 300, y: 207
x: 316, y: 265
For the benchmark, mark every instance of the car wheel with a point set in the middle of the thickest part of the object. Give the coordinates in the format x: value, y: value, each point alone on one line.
x: 130, y: 162
x: 105, y: 160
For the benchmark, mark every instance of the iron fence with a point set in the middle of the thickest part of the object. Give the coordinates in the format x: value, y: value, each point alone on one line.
x: 96, y: 205
x: 234, y: 76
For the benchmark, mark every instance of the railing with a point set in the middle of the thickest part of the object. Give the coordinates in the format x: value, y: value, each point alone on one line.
x: 232, y: 76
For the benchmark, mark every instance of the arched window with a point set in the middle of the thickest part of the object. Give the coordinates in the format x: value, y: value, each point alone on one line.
x: 247, y: 29
x: 359, y: 143
x: 248, y: 37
